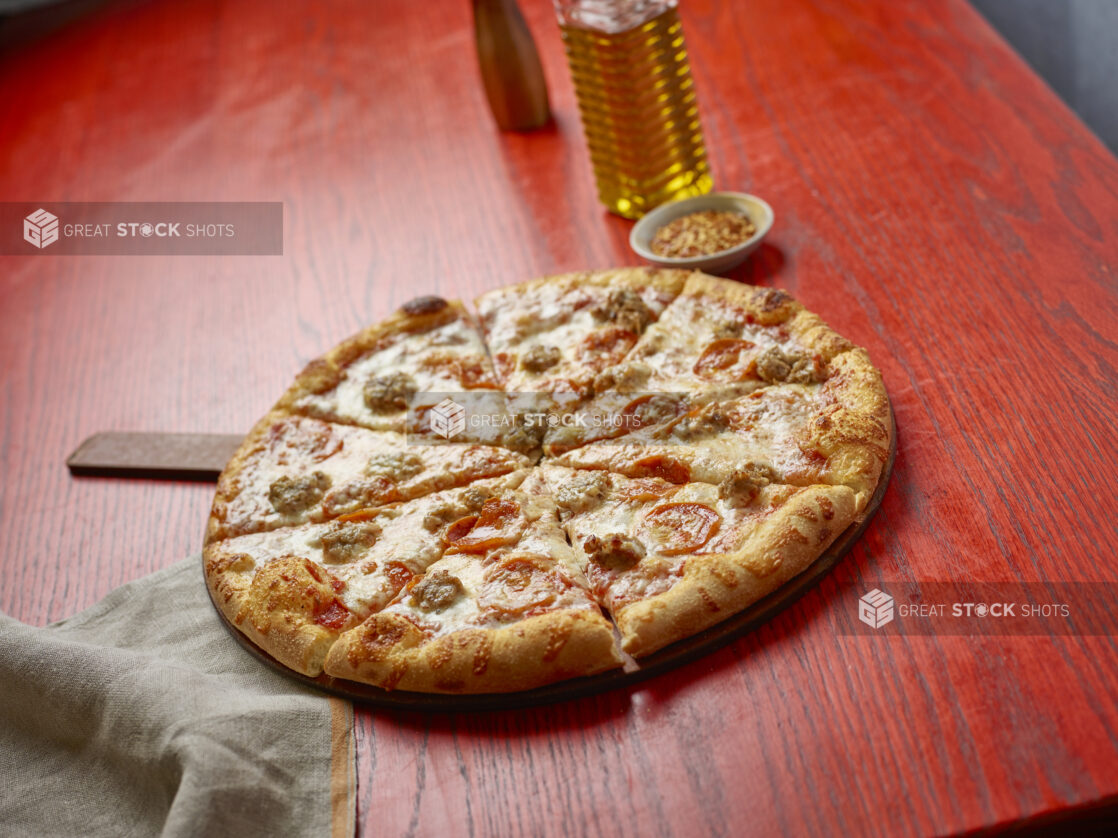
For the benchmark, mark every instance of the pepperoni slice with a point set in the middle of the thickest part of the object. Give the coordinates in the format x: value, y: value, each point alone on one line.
x: 607, y: 346
x: 720, y: 356
x: 332, y: 615
x: 494, y: 526
x: 469, y: 371
x: 682, y: 527
x: 516, y: 586
x: 503, y: 364
x: 398, y: 574
x: 302, y: 440
x: 649, y: 410
x: 666, y: 468
x: 460, y: 529
x: 646, y: 488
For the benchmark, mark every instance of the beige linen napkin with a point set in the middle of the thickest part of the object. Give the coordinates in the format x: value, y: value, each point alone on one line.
x: 142, y: 716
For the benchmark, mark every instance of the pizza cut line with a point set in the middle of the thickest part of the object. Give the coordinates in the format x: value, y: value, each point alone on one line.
x: 754, y: 437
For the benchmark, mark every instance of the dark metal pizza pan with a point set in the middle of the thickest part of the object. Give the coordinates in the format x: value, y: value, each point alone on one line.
x: 680, y: 653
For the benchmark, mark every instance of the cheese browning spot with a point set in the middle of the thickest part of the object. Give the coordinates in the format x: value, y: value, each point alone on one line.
x: 436, y: 591
x: 377, y: 640
x: 389, y: 393
x: 294, y: 495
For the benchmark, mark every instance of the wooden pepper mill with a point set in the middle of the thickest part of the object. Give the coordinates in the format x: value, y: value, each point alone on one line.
x: 510, y: 66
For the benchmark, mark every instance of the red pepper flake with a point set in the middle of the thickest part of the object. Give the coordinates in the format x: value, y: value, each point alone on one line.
x: 701, y: 234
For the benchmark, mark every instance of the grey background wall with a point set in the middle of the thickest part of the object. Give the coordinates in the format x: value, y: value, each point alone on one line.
x: 1073, y: 44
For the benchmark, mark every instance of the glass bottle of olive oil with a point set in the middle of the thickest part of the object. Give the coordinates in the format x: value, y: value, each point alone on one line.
x: 637, y: 100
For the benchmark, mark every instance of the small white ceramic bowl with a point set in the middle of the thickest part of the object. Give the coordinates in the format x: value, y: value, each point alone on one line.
x: 759, y: 212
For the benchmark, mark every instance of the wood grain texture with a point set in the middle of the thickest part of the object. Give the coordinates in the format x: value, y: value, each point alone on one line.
x: 935, y: 203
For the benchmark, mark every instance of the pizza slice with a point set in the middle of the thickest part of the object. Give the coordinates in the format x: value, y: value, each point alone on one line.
x: 293, y: 590
x: 668, y: 560
x: 294, y: 469
x: 429, y: 348
x: 716, y: 340
x: 554, y: 335
x: 506, y: 608
x: 837, y: 433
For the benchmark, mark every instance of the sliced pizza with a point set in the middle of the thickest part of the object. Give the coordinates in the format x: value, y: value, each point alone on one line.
x: 837, y: 432
x: 506, y: 608
x: 554, y: 335
x: 668, y: 560
x: 294, y: 589
x: 427, y: 350
x: 293, y: 469
x: 716, y: 340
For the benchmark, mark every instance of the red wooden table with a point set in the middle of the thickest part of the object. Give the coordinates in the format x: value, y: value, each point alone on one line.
x: 935, y: 202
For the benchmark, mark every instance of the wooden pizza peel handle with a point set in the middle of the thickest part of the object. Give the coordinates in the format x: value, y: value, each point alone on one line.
x: 156, y: 456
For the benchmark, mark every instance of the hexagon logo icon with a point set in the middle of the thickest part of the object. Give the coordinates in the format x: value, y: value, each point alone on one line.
x: 875, y: 609
x: 447, y: 418
x: 40, y: 228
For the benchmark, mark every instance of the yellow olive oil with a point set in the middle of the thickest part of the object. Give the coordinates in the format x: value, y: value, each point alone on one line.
x: 639, y: 113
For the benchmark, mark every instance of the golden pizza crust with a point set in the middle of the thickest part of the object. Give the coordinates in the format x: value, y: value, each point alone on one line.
x: 717, y: 586
x: 765, y: 306
x: 855, y: 429
x: 389, y: 651
x: 281, y: 607
x: 668, y: 281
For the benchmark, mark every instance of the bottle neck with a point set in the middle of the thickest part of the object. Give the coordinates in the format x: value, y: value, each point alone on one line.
x: 609, y: 16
